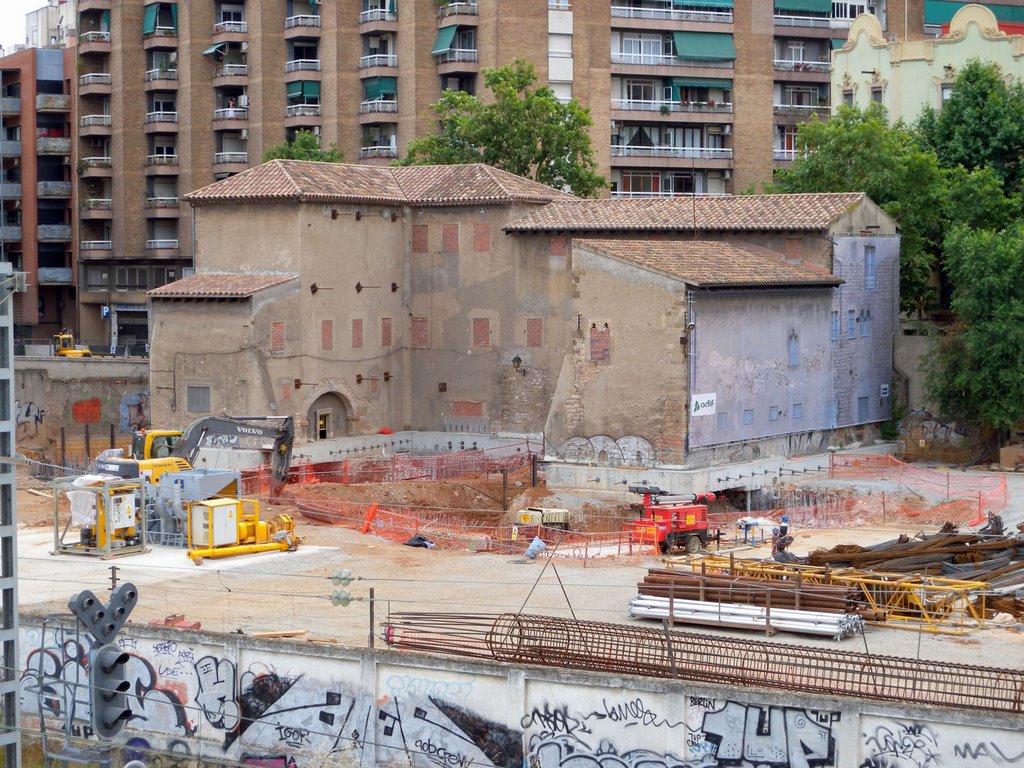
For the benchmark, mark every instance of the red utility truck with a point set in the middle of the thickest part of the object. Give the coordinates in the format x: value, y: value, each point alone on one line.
x: 672, y: 522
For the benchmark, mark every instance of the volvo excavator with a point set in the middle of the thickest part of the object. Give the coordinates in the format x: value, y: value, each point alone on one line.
x: 156, y: 451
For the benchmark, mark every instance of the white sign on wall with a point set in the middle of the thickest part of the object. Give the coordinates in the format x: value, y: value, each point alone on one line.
x: 702, y: 405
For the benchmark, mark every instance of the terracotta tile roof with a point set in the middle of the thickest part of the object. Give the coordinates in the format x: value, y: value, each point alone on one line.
x: 734, y: 214
x: 713, y: 264
x: 438, y: 185
x: 220, y: 285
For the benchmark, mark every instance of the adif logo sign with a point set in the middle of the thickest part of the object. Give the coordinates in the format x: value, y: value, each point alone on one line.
x: 703, y: 405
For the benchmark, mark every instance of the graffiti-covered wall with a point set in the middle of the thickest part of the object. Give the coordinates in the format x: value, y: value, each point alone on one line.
x: 299, y: 705
x: 51, y: 393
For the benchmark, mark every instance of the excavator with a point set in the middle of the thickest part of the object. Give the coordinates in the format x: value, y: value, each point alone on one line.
x: 156, y: 451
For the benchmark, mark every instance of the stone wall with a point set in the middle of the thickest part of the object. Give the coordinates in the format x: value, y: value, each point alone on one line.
x: 299, y: 704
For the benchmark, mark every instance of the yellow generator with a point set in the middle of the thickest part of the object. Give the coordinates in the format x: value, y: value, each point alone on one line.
x: 226, y: 527
x: 106, y: 512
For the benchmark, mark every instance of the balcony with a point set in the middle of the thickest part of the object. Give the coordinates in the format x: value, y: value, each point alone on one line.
x: 784, y: 154
x: 53, y: 145
x: 378, y: 106
x: 692, y: 153
x: 10, y: 191
x: 790, y: 65
x: 669, y: 107
x: 163, y: 248
x: 457, y: 9
x: 93, y: 43
x: 10, y: 233
x: 302, y: 27
x: 671, y: 14
x: 94, y: 125
x: 377, y: 14
x: 10, y: 106
x: 453, y: 55
x: 161, y: 122
x: 160, y: 37
x: 231, y: 28
x: 95, y: 245
x: 10, y: 148
x: 161, y: 202
x: 378, y: 60
x: 230, y: 157
x: 53, y: 275
x: 162, y: 208
x: 93, y: 5
x: 231, y: 113
x: 161, y: 165
x: 302, y: 110
x: 667, y: 60
x: 53, y: 102
x: 161, y: 79
x: 302, y: 65
x: 369, y: 153
x: 96, y: 208
x: 95, y: 168
x: 54, y: 233
x: 616, y: 195
x: 230, y: 74
x: 799, y: 110
x: 53, y: 190
x: 821, y: 22
x: 94, y: 84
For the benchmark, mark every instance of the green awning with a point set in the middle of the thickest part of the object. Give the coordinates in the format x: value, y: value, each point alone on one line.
x: 214, y: 49
x: 813, y: 6
x: 703, y: 3
x: 311, y: 89
x: 393, y: 7
x: 295, y: 88
x: 378, y: 87
x: 105, y: 22
x: 702, y: 82
x: 707, y: 46
x: 174, y: 17
x: 149, y: 19
x: 838, y: 44
x: 942, y: 11
x: 445, y: 36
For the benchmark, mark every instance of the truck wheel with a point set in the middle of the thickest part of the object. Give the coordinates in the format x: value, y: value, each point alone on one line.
x: 692, y: 545
x: 663, y: 547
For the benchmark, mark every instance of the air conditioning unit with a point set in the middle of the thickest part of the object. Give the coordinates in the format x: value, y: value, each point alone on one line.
x: 67, y: 159
x: 243, y: 100
x: 726, y: 129
x: 172, y: 58
x: 726, y: 174
x: 244, y: 47
x: 316, y: 130
x: 244, y: 133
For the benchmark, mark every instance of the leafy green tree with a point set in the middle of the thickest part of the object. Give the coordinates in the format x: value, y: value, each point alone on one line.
x: 859, y: 151
x: 977, y: 199
x: 525, y: 130
x: 975, y: 376
x: 305, y: 146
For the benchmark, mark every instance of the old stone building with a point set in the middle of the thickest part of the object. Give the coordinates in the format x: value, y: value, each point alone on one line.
x: 464, y: 298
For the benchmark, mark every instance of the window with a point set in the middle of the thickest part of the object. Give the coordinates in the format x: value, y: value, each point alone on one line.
x: 870, y: 267
x: 130, y: 278
x: 865, y: 323
x: 641, y: 181
x: 797, y: 410
x: 800, y: 95
x: 559, y: 45
x: 851, y: 324
x: 748, y: 417
x: 794, y: 350
x: 163, y: 276
x: 420, y: 332
x: 876, y: 95
x: 848, y: 10
x: 835, y: 325
x: 639, y: 90
x: 947, y: 91
x: 97, y: 279
x: 722, y: 419
x: 848, y: 98
x: 197, y: 399
x: 863, y: 409
x: 773, y: 413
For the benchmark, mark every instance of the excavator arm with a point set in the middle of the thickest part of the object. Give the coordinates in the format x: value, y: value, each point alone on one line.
x: 240, y: 432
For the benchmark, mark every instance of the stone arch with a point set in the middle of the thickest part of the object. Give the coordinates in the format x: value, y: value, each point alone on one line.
x: 328, y: 416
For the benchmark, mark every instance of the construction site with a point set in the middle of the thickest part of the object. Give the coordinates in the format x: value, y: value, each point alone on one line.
x: 390, y: 605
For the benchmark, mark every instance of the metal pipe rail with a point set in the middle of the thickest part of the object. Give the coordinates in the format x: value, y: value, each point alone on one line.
x: 622, y: 649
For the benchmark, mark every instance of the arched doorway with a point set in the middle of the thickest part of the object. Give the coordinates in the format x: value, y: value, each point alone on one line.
x: 327, y: 417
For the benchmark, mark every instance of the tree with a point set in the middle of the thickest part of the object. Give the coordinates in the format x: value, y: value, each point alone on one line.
x: 524, y: 130
x: 859, y: 151
x: 305, y: 146
x: 975, y: 377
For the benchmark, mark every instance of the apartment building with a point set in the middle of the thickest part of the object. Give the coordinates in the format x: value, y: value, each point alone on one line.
x: 35, y: 186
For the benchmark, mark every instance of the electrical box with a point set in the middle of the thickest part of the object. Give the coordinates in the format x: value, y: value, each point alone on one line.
x: 215, y: 522
x: 121, y: 510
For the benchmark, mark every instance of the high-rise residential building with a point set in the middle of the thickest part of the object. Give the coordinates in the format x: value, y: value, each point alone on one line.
x: 35, y: 186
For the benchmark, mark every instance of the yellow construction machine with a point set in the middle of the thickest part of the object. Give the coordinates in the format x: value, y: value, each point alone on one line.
x: 63, y: 345
x: 226, y: 527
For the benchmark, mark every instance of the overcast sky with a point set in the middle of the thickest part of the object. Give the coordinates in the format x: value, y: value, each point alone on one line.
x: 12, y: 21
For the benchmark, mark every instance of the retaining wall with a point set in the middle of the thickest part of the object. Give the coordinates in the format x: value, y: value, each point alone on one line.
x: 301, y: 704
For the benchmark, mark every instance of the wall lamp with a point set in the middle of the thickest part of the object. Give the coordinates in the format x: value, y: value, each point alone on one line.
x: 517, y: 363
x: 360, y: 287
x: 299, y: 384
x: 360, y: 378
x: 314, y: 289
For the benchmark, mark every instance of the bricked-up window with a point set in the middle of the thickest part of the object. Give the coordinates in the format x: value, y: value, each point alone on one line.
x: 385, y: 331
x: 419, y: 238
x: 197, y: 399
x: 420, y: 332
x: 600, y: 344
x: 851, y: 324
x: 481, y: 238
x: 481, y: 332
x: 467, y: 408
x: 558, y: 246
x: 357, y: 333
x: 327, y: 335
x: 794, y: 248
x: 450, y: 238
x: 277, y: 337
x: 534, y: 332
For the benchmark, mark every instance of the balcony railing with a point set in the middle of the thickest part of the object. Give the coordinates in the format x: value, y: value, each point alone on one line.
x: 53, y: 102
x: 162, y: 32
x: 377, y: 105
x: 378, y: 151
x: 230, y: 157
x: 156, y: 245
x: 803, y: 21
x: 240, y: 27
x: 784, y: 154
x: 10, y: 233
x: 798, y: 109
x: 95, y: 245
x: 645, y: 105
x: 53, y: 275
x: 95, y: 162
x: 302, y: 110
x: 302, y: 65
x: 53, y: 189
x: 160, y: 74
x: 377, y: 14
x: 95, y: 78
x: 665, y: 193
x: 161, y: 160
x: 94, y: 37
x: 93, y: 120
x: 10, y: 190
x: 10, y: 147
x: 791, y: 65
x: 161, y: 202
x: 695, y: 153
x: 378, y: 60
x: 97, y: 204
x: 457, y: 9
x: 456, y: 54
x: 53, y: 145
x: 301, y: 21
x: 10, y: 105
x: 161, y: 117
x: 671, y: 14
x: 667, y: 60
x: 54, y: 233
x: 231, y: 70
x: 231, y: 113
